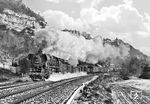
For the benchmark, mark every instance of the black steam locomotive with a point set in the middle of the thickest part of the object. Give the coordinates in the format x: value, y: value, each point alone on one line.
x: 38, y: 69
x: 39, y: 66
x: 35, y: 65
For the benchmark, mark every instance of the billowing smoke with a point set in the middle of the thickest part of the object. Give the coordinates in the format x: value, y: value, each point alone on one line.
x: 73, y: 48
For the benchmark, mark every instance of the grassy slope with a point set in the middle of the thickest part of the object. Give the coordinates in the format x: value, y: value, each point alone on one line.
x: 6, y: 74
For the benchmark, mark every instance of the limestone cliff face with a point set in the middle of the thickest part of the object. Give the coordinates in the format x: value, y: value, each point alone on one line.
x: 17, y: 24
x: 78, y: 33
x: 132, y: 51
x: 18, y: 7
x: 17, y: 21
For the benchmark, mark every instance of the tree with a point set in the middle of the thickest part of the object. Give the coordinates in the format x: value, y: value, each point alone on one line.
x: 132, y: 66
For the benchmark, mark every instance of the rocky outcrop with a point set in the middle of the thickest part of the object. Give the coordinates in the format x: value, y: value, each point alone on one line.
x: 17, y: 25
x: 132, y: 51
x: 78, y: 33
x: 19, y: 7
x: 17, y: 21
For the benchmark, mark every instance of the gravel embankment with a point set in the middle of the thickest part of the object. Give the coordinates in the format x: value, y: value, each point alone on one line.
x: 59, y: 94
x: 96, y: 92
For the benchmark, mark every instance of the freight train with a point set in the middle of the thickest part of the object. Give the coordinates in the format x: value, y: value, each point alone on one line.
x: 40, y: 66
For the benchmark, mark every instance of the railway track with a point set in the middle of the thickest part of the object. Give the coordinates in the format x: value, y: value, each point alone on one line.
x: 14, y: 85
x: 7, y: 83
x: 24, y: 93
x: 22, y: 88
x: 127, y: 96
x: 145, y: 98
x: 124, y: 95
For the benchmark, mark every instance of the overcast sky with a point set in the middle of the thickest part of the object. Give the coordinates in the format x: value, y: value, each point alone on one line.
x: 128, y: 20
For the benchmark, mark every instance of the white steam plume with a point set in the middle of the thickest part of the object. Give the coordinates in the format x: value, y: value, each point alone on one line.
x: 73, y: 48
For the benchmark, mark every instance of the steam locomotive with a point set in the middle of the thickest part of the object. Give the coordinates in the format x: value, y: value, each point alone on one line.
x: 34, y: 65
x: 40, y: 66
x: 38, y: 69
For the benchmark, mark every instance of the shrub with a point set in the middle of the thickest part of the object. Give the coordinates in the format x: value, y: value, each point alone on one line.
x: 132, y: 66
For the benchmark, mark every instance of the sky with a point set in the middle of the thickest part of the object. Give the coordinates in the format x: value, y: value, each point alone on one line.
x: 128, y: 20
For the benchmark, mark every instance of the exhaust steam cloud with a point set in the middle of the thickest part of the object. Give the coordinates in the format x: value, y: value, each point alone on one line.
x: 73, y: 48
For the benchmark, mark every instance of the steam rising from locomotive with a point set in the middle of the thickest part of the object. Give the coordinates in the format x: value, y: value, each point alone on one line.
x: 74, y: 48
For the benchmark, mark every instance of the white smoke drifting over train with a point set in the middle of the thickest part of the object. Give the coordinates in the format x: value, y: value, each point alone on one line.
x: 73, y: 48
